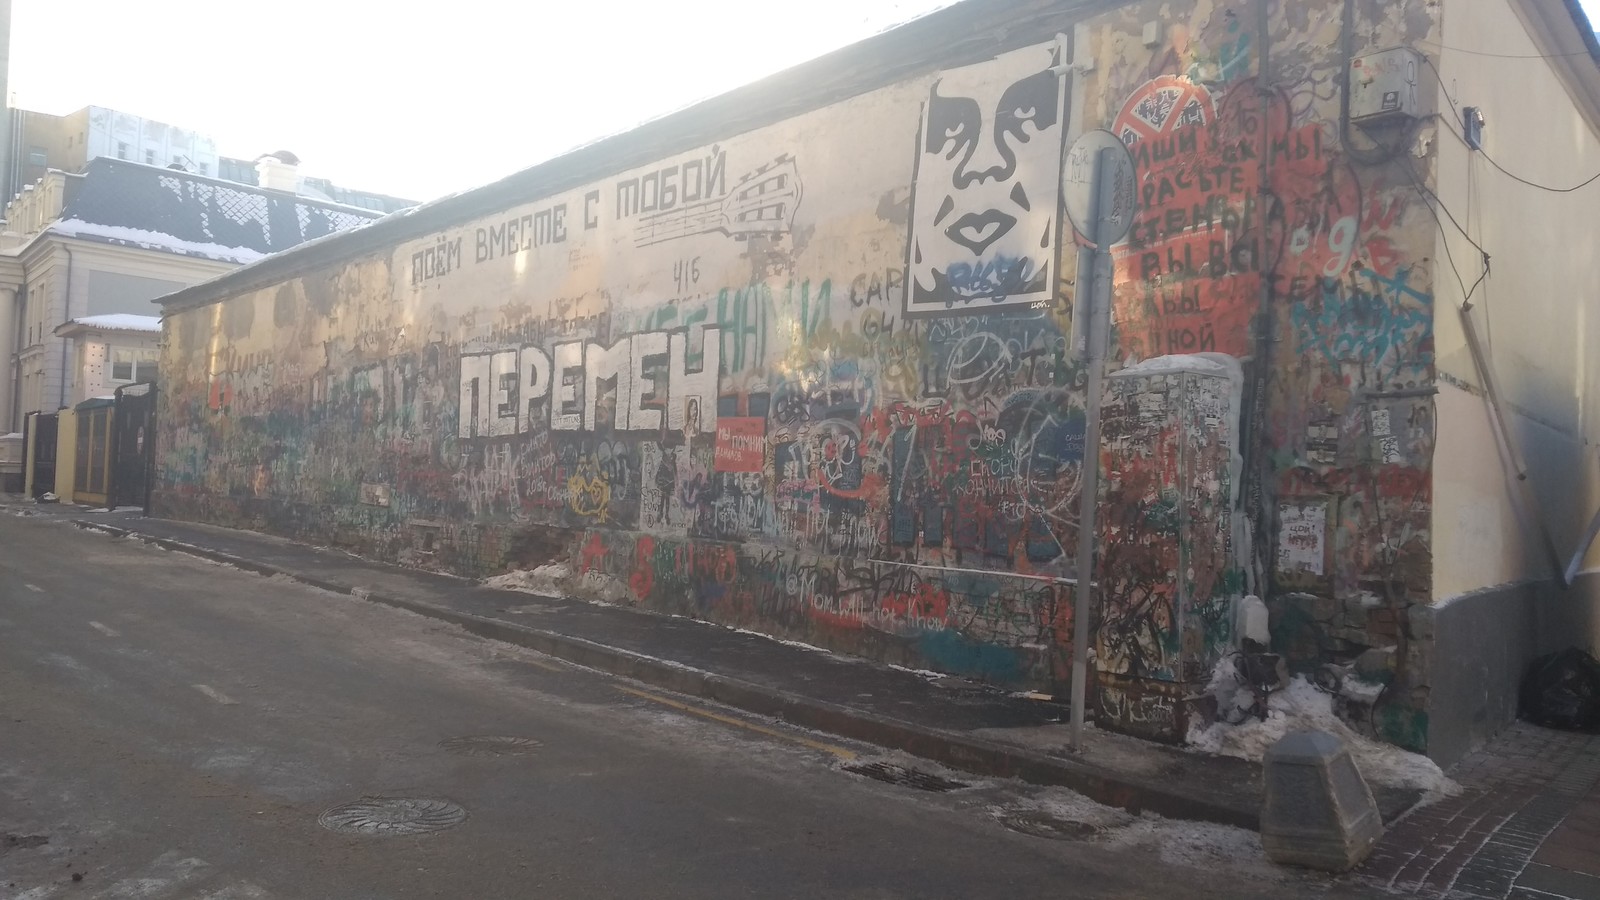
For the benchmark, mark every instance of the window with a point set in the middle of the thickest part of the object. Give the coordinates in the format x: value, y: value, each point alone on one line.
x: 150, y: 157
x: 36, y: 306
x: 80, y: 368
x: 130, y: 365
x: 205, y: 168
x: 37, y: 157
x: 122, y: 149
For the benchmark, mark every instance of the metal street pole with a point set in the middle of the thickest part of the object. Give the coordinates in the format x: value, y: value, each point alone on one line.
x: 1095, y: 332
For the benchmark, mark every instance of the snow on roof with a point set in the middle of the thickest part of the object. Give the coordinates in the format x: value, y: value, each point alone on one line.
x: 154, y: 240
x: 320, y: 239
x: 1172, y: 365
x: 119, y: 322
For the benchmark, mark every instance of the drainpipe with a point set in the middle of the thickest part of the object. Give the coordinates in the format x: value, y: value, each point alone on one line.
x: 1257, y: 567
x: 62, y: 394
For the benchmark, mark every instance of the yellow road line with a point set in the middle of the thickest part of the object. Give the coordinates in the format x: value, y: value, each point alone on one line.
x: 544, y: 665
x: 840, y: 752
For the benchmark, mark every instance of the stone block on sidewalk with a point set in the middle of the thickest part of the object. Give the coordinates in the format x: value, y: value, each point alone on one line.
x: 1317, y: 810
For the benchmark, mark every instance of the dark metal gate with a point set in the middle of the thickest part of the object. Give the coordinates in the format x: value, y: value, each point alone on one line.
x: 132, y: 440
x: 39, y: 451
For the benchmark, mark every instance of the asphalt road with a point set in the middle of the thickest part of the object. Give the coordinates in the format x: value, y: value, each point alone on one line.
x: 173, y: 728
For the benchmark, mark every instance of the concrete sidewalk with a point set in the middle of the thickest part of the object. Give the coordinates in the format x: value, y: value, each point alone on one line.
x: 949, y: 720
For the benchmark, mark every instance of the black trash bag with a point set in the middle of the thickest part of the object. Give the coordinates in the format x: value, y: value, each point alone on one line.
x: 1562, y: 690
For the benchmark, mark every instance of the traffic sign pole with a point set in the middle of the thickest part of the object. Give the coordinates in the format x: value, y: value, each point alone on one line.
x: 1108, y: 217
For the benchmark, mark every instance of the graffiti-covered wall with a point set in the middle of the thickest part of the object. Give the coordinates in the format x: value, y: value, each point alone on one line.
x: 1273, y: 230
x: 813, y: 378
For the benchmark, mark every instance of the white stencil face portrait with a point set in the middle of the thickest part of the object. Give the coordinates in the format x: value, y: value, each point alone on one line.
x: 984, y: 222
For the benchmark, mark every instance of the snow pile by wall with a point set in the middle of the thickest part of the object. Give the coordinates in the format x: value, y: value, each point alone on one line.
x: 549, y: 579
x: 1216, y: 848
x: 1303, y: 707
x: 556, y: 580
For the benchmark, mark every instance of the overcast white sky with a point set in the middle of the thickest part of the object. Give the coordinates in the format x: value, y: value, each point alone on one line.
x: 415, y: 100
x: 418, y: 100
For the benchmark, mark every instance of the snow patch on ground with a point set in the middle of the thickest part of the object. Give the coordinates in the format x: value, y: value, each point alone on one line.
x: 1365, y: 691
x: 798, y: 645
x: 1066, y: 806
x: 556, y: 580
x: 1175, y: 842
x: 929, y: 674
x: 1303, y: 707
x: 549, y: 579
x: 786, y: 642
x: 1202, y: 845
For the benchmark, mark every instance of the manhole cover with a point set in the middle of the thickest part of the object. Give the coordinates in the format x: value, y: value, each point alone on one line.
x: 893, y: 774
x: 393, y: 815
x: 490, y: 745
x: 1039, y: 824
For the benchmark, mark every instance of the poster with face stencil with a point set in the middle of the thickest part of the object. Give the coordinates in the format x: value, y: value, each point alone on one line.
x: 985, y: 208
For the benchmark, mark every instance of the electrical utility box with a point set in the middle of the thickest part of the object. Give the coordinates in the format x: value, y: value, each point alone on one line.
x: 1386, y: 86
x: 1168, y: 574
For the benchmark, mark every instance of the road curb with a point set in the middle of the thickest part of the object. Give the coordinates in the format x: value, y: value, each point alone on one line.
x: 958, y: 751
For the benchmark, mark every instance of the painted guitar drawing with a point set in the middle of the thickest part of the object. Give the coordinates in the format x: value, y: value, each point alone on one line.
x: 762, y: 202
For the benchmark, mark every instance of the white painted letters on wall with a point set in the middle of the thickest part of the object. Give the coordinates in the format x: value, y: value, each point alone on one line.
x: 566, y: 406
x: 503, y: 395
x: 646, y: 345
x: 474, y: 403
x: 534, y: 366
x: 500, y: 391
x: 602, y: 364
x: 693, y: 390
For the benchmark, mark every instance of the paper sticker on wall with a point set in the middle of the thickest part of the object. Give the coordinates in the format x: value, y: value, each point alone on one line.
x: 1385, y: 441
x: 741, y: 443
x: 1380, y: 423
x: 1302, y: 538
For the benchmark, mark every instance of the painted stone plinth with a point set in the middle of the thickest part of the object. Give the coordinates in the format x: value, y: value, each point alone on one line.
x: 1318, y: 811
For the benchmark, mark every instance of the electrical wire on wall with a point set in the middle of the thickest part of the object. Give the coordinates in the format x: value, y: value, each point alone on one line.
x: 1488, y: 319
x: 1460, y: 123
x: 1438, y: 46
x: 1434, y: 206
x: 1524, y: 498
x: 1458, y: 128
